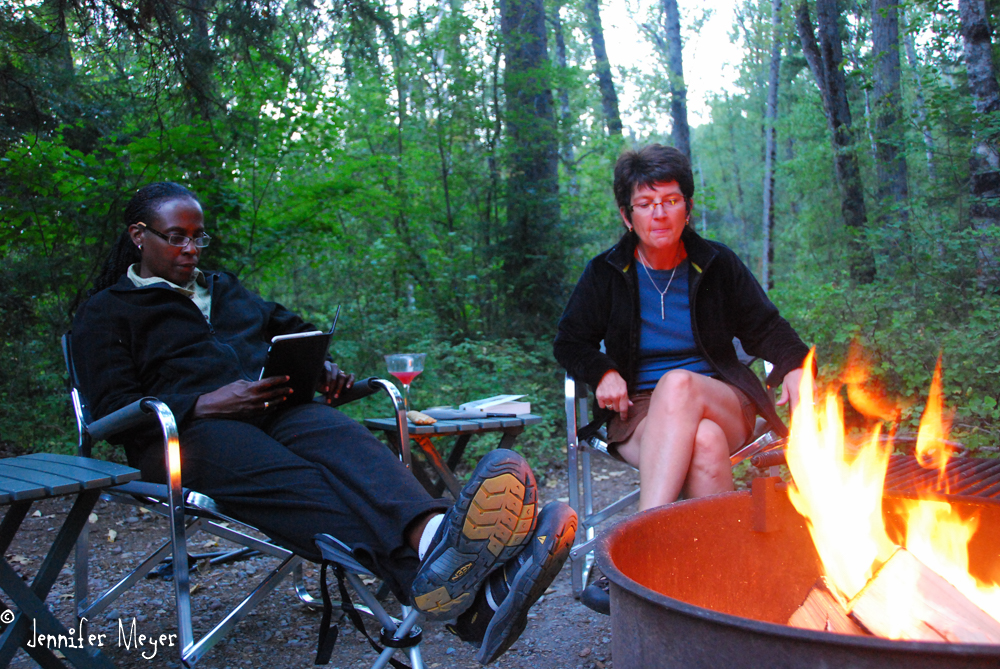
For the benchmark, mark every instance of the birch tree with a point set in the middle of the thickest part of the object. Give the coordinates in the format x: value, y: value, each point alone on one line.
x: 890, y: 158
x: 985, y: 161
x: 602, y: 67
x: 770, y: 116
x: 667, y: 39
x: 826, y: 63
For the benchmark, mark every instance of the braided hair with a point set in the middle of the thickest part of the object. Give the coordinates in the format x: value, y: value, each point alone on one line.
x: 142, y: 207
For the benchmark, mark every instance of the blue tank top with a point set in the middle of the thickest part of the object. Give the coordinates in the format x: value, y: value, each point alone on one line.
x: 666, y: 343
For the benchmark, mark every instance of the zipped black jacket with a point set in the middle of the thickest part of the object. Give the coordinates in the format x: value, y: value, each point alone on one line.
x: 726, y: 302
x: 132, y: 342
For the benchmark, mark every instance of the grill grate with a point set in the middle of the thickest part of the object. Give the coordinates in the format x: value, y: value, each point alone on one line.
x: 964, y: 477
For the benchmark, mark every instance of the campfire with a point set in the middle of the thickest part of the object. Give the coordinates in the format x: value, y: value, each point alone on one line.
x: 905, y: 582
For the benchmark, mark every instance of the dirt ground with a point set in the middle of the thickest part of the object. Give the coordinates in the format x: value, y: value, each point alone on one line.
x: 281, y: 632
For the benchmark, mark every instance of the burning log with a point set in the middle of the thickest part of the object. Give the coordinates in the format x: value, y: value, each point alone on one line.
x: 936, y: 611
x: 905, y: 599
x: 823, y: 611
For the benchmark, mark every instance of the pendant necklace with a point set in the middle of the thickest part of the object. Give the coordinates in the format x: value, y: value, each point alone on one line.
x: 663, y: 315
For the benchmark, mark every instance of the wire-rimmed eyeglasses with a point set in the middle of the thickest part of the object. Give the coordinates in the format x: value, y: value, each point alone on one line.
x: 175, y: 239
x: 645, y: 208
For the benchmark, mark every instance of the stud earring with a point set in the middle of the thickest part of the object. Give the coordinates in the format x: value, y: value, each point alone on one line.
x: 139, y: 246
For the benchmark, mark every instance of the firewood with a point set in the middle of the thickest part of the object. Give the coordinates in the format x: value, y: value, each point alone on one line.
x: 936, y: 611
x: 823, y: 611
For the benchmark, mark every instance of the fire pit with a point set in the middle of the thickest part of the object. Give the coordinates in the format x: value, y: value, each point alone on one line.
x: 694, y: 585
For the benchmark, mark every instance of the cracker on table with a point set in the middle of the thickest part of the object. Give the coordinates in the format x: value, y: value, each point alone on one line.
x: 418, y: 418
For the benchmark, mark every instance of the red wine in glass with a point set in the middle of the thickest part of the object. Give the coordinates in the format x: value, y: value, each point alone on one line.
x: 405, y: 367
x: 406, y: 378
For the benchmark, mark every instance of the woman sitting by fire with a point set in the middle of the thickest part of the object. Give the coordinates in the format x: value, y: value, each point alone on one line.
x: 667, y: 304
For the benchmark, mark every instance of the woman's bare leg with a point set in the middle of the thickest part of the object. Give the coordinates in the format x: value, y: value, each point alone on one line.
x: 694, y: 423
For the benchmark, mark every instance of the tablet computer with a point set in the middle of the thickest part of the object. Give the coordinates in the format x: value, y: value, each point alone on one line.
x: 300, y: 356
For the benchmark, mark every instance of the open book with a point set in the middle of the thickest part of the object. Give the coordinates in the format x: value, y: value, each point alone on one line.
x: 498, y: 405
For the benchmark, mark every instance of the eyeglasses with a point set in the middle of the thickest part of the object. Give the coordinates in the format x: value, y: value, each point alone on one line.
x: 179, y: 240
x: 645, y: 208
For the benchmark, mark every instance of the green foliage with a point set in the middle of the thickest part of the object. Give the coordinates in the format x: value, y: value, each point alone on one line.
x: 353, y: 154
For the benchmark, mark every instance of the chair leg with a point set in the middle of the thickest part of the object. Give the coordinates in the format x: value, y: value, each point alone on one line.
x: 403, y: 629
x: 81, y: 571
x: 303, y: 593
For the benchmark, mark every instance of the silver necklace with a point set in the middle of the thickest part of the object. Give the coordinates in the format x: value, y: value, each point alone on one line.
x: 663, y: 315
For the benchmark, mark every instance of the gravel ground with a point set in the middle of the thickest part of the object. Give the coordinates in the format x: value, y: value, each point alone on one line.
x: 281, y: 632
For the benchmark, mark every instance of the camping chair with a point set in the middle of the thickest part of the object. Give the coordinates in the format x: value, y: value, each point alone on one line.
x: 580, y: 444
x: 189, y: 512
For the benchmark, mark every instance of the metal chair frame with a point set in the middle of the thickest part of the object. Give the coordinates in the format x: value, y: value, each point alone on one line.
x: 581, y: 482
x: 189, y: 512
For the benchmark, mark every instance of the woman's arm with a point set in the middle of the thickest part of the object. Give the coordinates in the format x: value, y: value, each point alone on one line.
x: 583, y: 325
x: 107, y: 374
x: 761, y: 329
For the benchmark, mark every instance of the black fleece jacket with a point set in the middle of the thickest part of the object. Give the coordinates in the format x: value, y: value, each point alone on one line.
x: 726, y: 302
x: 131, y: 342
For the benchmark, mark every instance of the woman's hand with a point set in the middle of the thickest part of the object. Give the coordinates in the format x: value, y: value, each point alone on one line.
x: 612, y: 393
x: 243, y: 397
x: 334, y: 381
x: 790, y: 389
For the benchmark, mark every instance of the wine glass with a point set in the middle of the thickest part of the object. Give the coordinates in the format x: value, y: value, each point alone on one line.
x: 405, y: 367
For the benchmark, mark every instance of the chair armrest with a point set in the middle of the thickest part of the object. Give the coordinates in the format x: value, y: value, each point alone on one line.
x: 371, y: 385
x: 134, y: 415
x: 361, y: 388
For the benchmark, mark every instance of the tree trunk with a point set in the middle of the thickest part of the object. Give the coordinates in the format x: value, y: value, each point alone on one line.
x: 825, y: 62
x: 61, y: 54
x: 890, y: 158
x: 985, y: 161
x: 770, y: 117
x: 891, y: 190
x: 199, y: 62
x: 605, y: 82
x: 680, y: 134
x: 532, y: 248
x: 919, y: 105
x: 566, y: 150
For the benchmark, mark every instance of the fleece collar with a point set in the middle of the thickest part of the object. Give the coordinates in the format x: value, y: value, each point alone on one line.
x: 700, y: 252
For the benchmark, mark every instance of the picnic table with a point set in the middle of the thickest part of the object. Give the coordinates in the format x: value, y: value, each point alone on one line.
x: 23, y: 481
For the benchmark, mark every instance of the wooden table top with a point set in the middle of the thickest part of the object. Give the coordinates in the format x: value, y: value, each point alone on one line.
x: 41, y: 475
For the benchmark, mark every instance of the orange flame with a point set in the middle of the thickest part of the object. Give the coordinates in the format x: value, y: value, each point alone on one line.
x: 864, y: 392
x: 932, y: 450
x: 822, y: 472
x: 838, y: 488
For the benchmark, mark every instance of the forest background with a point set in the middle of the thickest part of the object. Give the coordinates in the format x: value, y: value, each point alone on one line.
x: 443, y: 171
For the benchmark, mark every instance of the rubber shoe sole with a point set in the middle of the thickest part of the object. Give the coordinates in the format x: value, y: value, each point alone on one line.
x: 549, y: 549
x: 492, y: 519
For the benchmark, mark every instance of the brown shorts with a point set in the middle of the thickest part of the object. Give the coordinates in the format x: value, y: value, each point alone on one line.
x: 620, y: 430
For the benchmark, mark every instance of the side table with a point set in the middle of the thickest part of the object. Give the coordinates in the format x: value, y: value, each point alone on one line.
x: 463, y: 430
x: 24, y: 480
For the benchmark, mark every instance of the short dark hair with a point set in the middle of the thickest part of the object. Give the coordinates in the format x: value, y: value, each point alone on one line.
x: 651, y: 165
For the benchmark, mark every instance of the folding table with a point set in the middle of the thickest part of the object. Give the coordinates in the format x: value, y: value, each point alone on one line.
x: 463, y: 430
x: 23, y: 481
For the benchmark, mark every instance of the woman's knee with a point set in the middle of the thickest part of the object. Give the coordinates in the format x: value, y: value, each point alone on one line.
x: 711, y: 451
x: 677, y: 389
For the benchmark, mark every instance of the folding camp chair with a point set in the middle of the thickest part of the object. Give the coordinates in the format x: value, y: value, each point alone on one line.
x: 189, y: 512
x: 580, y: 446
